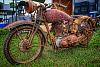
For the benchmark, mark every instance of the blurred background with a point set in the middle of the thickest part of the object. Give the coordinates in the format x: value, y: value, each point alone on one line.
x: 9, y: 12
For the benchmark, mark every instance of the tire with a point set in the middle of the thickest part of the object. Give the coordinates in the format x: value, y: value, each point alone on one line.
x: 87, y: 30
x: 15, y: 52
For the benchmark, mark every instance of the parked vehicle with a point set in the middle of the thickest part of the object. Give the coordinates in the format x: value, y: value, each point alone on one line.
x: 26, y: 39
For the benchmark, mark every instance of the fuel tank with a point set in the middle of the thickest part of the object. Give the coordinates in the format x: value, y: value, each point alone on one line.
x: 55, y: 15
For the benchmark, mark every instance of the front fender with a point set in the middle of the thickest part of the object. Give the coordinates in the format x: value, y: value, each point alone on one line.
x: 14, y: 24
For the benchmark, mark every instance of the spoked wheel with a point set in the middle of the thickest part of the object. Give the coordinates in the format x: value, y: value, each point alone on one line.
x: 19, y: 49
x: 87, y: 32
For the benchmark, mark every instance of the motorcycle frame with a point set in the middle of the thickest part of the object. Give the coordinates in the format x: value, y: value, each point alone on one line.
x: 40, y: 14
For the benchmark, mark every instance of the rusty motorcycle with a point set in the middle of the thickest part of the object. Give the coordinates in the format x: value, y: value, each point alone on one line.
x: 26, y: 39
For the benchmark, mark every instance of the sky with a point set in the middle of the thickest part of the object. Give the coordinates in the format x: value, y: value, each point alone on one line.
x: 48, y: 1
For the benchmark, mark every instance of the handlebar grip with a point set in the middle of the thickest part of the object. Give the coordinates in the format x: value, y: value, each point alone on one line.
x: 61, y: 5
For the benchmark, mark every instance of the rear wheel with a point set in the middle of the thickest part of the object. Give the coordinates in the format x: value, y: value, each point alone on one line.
x: 86, y: 30
x: 19, y: 49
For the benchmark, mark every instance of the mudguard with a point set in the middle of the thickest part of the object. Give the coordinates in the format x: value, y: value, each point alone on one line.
x: 82, y: 18
x: 79, y: 20
x: 17, y: 23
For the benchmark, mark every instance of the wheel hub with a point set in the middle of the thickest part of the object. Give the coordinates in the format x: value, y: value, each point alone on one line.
x: 24, y: 45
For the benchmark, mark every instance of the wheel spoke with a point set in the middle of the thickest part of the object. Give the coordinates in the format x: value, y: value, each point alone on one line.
x: 19, y: 36
x: 28, y: 34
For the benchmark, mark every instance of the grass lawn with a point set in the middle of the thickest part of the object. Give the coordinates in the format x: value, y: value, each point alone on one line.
x: 70, y: 57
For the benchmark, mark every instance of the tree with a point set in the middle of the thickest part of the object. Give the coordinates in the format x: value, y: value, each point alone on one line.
x: 12, y: 5
x: 1, y: 5
x: 42, y: 1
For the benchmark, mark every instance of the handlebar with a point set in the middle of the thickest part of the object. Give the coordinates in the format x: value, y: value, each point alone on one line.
x: 30, y: 7
x: 23, y: 3
x: 59, y: 5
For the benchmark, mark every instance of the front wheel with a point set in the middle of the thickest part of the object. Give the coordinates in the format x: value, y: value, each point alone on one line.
x: 18, y: 49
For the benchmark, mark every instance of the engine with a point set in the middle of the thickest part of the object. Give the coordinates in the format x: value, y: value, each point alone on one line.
x: 68, y: 35
x: 67, y: 41
x: 62, y: 34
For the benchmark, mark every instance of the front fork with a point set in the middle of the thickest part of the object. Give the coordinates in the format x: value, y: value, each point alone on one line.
x: 34, y: 30
x: 52, y: 38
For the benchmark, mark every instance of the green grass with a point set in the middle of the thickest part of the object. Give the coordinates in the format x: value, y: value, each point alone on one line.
x: 70, y: 57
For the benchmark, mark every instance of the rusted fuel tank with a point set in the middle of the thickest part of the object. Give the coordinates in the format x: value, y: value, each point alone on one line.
x: 54, y: 15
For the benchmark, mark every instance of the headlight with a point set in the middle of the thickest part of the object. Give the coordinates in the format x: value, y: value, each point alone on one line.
x: 30, y: 6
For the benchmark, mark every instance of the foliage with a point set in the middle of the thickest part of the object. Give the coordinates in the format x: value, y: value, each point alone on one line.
x: 12, y: 5
x: 3, y: 32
